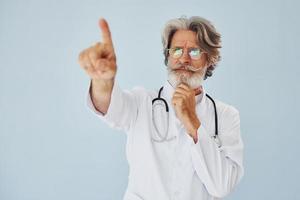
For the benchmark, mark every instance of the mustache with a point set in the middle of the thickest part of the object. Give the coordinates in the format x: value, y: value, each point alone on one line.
x: 184, y: 66
x: 180, y: 65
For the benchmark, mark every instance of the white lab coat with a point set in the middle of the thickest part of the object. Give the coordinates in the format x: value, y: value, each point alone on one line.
x: 177, y: 169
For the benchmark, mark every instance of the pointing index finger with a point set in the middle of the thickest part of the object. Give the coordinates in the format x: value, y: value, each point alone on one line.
x: 106, y: 36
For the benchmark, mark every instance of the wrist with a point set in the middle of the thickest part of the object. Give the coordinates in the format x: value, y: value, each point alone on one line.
x: 193, y: 132
x: 194, y: 135
x: 194, y: 128
x: 102, y: 85
x: 195, y: 123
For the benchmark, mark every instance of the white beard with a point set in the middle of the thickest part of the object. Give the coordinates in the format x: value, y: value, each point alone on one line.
x: 193, y: 81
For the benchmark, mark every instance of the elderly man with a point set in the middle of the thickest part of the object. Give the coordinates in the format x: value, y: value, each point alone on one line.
x: 181, y: 144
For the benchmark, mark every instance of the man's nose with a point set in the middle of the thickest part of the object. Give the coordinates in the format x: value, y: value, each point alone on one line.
x: 185, y: 58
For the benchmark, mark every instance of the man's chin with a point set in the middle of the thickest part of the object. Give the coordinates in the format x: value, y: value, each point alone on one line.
x: 177, y: 78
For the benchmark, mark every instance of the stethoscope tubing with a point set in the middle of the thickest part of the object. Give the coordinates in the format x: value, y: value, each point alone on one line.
x: 165, y: 137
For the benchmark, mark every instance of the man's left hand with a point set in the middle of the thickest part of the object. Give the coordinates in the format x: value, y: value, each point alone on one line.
x: 184, y: 104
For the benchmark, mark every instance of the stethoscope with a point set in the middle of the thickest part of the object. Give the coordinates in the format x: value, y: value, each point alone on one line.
x: 164, y: 137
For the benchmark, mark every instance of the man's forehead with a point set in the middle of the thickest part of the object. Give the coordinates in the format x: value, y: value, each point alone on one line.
x: 184, y: 38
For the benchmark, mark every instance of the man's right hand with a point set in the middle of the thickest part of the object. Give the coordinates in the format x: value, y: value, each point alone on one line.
x: 99, y: 61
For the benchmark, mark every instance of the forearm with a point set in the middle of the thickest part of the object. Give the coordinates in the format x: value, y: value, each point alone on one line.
x: 100, y: 92
x: 192, y: 124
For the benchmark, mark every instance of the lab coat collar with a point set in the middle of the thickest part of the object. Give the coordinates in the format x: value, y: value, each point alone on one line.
x: 169, y: 90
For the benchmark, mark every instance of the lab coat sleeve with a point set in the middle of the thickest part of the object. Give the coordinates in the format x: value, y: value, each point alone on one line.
x: 122, y: 110
x: 219, y: 168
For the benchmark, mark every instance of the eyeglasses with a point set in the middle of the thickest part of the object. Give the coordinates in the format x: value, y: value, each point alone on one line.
x: 177, y: 52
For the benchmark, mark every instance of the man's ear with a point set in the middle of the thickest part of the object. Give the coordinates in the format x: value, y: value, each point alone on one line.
x: 166, y: 56
x: 206, y: 60
x: 167, y: 61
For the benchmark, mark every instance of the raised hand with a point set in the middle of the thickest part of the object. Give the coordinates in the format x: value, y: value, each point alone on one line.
x: 99, y: 60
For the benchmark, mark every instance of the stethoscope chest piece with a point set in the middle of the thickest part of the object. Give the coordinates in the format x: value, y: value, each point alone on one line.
x: 217, y: 140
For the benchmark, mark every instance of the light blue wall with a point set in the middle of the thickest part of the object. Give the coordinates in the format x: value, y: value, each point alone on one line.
x: 52, y: 147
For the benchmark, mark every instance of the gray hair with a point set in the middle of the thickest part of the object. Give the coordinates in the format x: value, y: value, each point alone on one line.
x: 209, y: 40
